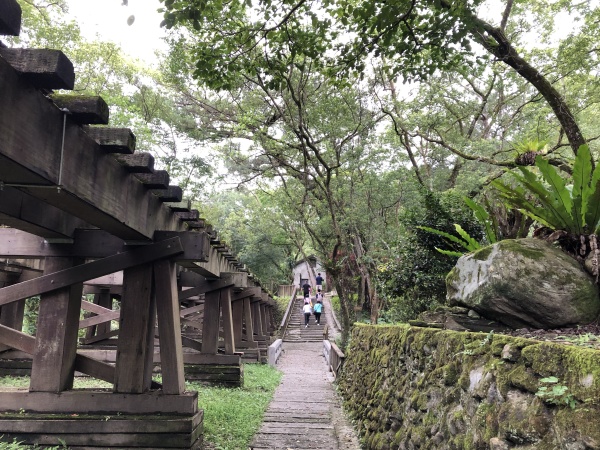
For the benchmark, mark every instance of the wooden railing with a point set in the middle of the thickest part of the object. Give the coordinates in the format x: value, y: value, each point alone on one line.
x: 334, y: 357
x: 286, y: 290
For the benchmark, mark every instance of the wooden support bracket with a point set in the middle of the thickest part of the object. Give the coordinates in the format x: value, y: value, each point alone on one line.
x: 44, y: 68
x: 112, y: 140
x: 83, y: 272
x: 83, y: 109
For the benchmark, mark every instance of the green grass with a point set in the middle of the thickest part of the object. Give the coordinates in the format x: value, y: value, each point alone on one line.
x: 231, y: 415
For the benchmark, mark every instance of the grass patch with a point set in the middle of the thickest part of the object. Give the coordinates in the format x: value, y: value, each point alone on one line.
x: 233, y: 415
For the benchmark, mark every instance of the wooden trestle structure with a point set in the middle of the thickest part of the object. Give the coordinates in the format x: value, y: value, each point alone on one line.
x: 81, y: 212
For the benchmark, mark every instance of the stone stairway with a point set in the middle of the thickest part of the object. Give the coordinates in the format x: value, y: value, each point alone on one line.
x: 296, y: 331
x: 300, y: 415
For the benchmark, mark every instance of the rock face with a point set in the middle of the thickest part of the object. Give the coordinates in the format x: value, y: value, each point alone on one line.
x: 524, y: 283
x: 428, y: 389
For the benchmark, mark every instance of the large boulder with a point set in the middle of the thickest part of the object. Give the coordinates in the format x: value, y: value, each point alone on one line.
x: 524, y: 283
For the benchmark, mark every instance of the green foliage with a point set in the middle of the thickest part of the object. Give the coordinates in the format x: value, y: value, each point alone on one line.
x: 414, y: 280
x: 465, y: 240
x: 573, y: 208
x: 555, y: 394
x: 32, y: 308
x: 16, y: 445
x: 233, y: 415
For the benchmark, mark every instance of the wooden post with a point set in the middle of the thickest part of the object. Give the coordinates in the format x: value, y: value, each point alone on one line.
x: 169, y: 327
x: 53, y: 362
x: 136, y: 332
x: 227, y: 321
x: 237, y: 314
x: 210, y: 327
x: 249, y: 321
x: 104, y: 299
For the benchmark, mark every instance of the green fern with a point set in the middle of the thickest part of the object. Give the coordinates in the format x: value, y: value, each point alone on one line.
x: 573, y: 208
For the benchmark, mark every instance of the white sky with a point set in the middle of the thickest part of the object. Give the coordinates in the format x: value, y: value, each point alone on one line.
x: 108, y: 19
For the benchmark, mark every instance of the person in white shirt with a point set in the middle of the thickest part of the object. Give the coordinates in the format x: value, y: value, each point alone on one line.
x: 307, y: 312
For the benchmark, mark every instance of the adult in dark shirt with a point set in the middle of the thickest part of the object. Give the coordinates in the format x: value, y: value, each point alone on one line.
x: 319, y: 281
x: 306, y: 289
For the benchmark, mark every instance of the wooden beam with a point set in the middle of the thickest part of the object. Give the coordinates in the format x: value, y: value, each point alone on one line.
x: 94, y: 186
x: 44, y: 68
x: 136, y: 325
x: 210, y: 325
x: 90, y: 270
x: 95, y: 369
x: 100, y: 318
x: 226, y: 313
x: 112, y: 140
x: 83, y: 109
x: 25, y: 212
x: 52, y: 368
x: 84, y: 364
x: 159, y: 179
x: 191, y: 343
x: 169, y: 327
x: 17, y: 340
x: 10, y: 18
x: 169, y: 194
x: 85, y: 402
x: 137, y: 163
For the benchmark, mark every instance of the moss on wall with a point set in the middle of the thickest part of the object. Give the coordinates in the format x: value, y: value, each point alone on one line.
x: 437, y: 389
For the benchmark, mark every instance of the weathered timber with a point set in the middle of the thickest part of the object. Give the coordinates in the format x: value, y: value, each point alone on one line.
x: 195, y: 245
x: 100, y: 337
x: 96, y: 289
x: 94, y: 186
x: 85, y: 402
x: 199, y: 224
x: 136, y: 336
x: 102, y: 305
x: 112, y: 140
x: 210, y: 323
x: 52, y: 369
x: 25, y: 212
x: 99, y: 319
x: 169, y: 327
x: 83, y: 109
x: 83, y: 272
x: 41, y: 423
x: 97, y: 308
x: 191, y: 343
x: 169, y: 194
x: 211, y: 359
x: 190, y: 216
x: 10, y: 18
x: 248, y: 320
x: 159, y: 179
x: 237, y: 316
x: 226, y: 314
x: 182, y: 206
x: 138, y: 163
x: 44, y: 68
x: 113, y: 441
x: 202, y: 285
x: 191, y: 310
x: 25, y: 343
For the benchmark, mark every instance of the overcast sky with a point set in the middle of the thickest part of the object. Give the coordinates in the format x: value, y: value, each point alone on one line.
x: 108, y: 18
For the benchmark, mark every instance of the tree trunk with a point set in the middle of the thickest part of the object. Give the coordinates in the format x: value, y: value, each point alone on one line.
x: 495, y: 41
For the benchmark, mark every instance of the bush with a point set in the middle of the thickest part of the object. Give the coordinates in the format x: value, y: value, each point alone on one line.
x: 415, y: 280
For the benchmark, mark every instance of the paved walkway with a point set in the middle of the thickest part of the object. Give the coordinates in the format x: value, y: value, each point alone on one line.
x: 305, y: 412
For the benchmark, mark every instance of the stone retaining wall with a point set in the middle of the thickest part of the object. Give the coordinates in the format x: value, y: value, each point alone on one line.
x: 422, y: 388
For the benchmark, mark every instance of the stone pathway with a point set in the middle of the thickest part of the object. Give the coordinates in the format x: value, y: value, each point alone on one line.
x: 305, y: 412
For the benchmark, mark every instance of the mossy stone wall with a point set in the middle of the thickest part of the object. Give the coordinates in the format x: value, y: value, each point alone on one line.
x: 423, y: 388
